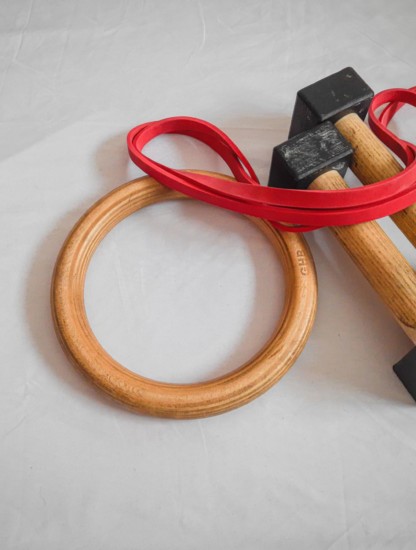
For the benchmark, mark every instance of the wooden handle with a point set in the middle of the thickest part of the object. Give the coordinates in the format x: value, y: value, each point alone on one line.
x: 373, y: 162
x: 176, y: 400
x: 386, y: 269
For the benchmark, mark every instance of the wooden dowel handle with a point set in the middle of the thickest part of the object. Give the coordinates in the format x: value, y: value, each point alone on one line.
x: 386, y: 269
x: 373, y: 162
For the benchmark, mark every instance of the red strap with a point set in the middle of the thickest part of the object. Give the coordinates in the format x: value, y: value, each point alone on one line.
x: 308, y: 210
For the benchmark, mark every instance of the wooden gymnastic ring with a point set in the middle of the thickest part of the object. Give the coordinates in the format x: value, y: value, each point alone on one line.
x: 176, y: 400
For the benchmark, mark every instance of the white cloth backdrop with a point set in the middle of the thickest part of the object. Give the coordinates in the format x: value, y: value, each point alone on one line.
x: 182, y: 292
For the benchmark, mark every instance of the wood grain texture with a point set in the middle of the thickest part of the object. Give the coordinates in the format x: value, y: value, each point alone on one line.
x: 373, y: 162
x: 386, y: 269
x: 176, y: 400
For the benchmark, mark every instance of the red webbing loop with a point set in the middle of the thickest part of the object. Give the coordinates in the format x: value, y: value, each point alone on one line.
x: 307, y: 210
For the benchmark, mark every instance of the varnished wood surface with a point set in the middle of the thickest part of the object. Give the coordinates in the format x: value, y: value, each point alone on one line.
x: 373, y: 162
x: 386, y: 269
x: 176, y: 400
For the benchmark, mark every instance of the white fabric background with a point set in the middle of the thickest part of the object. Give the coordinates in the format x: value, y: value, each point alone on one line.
x: 324, y: 460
